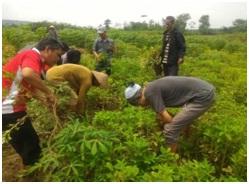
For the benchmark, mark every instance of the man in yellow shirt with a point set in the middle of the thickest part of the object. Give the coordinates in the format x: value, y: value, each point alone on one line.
x: 79, y: 78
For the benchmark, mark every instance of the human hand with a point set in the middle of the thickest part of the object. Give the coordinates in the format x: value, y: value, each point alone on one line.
x: 160, y: 122
x: 51, y: 100
x: 98, y: 56
x: 180, y: 61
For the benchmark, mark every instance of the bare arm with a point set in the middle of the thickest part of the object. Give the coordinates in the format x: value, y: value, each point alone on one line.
x: 164, y: 117
x: 80, y: 107
x: 35, y: 81
x: 96, y: 55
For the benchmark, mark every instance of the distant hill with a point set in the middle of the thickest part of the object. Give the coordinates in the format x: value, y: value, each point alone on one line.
x: 14, y: 22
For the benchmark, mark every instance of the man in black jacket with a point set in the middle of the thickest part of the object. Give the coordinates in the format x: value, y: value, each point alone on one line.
x: 173, y: 48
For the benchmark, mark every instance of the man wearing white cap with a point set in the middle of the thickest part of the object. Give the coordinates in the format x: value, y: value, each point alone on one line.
x: 79, y: 78
x: 103, y: 49
x: 195, y: 95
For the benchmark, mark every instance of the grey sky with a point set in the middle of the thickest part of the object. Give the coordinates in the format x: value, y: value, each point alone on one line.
x: 94, y: 12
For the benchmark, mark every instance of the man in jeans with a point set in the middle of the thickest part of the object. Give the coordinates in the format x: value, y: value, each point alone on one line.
x: 21, y: 80
x: 194, y: 95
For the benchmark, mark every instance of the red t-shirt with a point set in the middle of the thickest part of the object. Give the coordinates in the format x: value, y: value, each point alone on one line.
x: 14, y: 86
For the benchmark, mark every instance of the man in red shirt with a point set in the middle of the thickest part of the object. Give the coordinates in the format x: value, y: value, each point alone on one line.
x: 22, y: 79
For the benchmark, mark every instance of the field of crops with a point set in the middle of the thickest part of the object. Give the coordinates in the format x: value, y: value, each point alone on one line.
x: 114, y: 141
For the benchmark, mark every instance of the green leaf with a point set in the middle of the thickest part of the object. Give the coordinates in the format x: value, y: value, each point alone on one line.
x: 94, y: 149
x: 102, y: 148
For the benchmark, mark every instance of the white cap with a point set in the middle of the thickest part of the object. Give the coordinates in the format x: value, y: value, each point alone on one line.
x: 51, y: 27
x: 132, y: 90
x: 101, y: 29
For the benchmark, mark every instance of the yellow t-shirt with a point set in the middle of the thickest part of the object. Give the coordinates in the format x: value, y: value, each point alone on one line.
x: 78, y: 77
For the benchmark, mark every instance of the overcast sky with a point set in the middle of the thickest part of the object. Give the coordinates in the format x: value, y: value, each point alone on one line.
x: 94, y: 12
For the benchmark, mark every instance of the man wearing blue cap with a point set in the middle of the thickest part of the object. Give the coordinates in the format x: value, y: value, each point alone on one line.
x: 195, y: 95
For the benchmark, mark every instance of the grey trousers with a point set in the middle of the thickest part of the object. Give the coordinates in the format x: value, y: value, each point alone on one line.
x: 185, y: 117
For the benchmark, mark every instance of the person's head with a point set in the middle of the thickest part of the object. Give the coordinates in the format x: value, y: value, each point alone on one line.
x: 99, y: 79
x: 73, y: 56
x: 51, y: 50
x: 65, y: 48
x: 102, y: 32
x: 169, y: 22
x: 133, y: 94
x: 51, y: 27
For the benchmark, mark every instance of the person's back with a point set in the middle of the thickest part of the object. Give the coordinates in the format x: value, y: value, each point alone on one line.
x: 71, y: 56
x: 72, y: 73
x: 175, y: 91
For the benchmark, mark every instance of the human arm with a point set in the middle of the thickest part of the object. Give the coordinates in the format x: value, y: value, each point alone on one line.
x: 96, y: 55
x: 181, y: 47
x: 112, y: 47
x: 164, y: 117
x: 95, y: 49
x: 35, y: 81
x: 162, y: 47
x: 80, y: 106
x: 180, y: 60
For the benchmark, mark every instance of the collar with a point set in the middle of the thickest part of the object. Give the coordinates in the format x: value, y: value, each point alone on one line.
x: 37, y: 51
x: 43, y: 75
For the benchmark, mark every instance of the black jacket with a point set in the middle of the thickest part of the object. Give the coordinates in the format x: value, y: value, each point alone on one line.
x: 177, y: 47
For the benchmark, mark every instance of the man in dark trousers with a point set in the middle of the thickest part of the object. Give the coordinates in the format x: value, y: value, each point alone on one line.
x: 21, y: 80
x: 173, y: 48
x: 194, y: 95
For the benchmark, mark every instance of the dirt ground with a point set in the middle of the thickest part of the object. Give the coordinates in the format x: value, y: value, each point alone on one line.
x: 12, y: 166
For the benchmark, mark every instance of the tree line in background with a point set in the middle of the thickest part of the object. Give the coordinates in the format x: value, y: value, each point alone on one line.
x: 182, y: 22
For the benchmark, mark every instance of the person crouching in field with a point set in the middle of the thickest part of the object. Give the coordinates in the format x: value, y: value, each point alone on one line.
x: 79, y: 78
x: 195, y: 95
x: 21, y: 80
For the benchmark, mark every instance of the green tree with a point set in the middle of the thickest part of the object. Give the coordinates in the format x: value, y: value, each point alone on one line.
x: 240, y: 25
x: 204, y: 24
x: 181, y: 21
x: 107, y: 23
x: 137, y: 26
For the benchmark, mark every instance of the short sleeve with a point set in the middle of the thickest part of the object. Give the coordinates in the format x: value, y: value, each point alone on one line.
x: 33, y: 63
x: 156, y: 102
